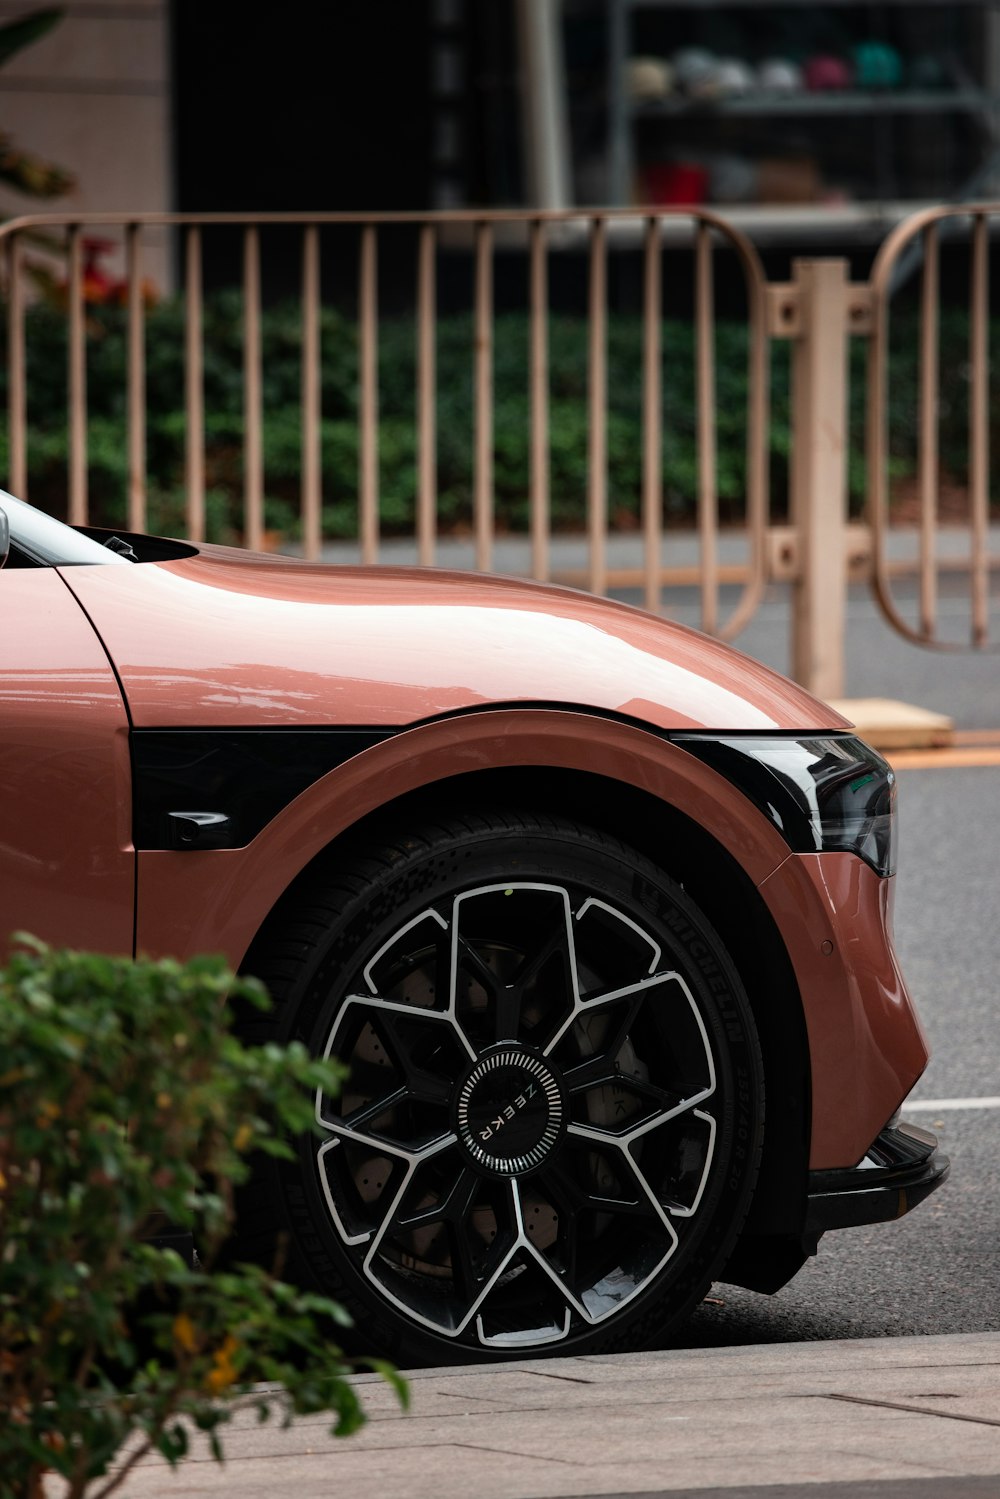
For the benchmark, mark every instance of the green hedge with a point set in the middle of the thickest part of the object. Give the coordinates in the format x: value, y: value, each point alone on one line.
x: 281, y: 340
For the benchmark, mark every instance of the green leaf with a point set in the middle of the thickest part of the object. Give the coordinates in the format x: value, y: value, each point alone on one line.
x: 16, y: 35
x: 173, y: 1443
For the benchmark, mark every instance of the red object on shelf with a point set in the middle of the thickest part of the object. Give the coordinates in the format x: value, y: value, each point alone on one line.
x: 822, y: 73
x: 676, y: 182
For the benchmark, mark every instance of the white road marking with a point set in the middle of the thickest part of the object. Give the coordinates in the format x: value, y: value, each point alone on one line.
x: 939, y: 1105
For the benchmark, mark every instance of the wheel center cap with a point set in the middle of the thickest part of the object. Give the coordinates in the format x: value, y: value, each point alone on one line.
x: 510, y: 1111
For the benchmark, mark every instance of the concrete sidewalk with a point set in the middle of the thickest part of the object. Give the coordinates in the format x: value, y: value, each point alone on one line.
x: 893, y: 1418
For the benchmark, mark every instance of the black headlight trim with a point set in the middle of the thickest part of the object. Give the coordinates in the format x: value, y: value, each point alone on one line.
x: 823, y: 792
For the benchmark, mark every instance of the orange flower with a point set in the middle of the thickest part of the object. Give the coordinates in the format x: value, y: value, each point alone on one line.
x: 184, y: 1333
x: 223, y: 1371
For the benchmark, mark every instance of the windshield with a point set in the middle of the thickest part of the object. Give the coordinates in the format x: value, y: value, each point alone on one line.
x: 48, y: 542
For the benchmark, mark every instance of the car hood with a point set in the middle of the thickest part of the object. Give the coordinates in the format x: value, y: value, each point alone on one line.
x: 227, y: 638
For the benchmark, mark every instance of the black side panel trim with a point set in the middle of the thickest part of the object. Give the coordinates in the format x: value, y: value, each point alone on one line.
x: 246, y: 775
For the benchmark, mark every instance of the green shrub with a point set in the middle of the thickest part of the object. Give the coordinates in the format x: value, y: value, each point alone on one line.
x: 125, y: 1103
x: 569, y: 419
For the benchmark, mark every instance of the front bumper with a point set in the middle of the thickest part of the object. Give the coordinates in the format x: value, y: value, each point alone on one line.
x: 902, y: 1168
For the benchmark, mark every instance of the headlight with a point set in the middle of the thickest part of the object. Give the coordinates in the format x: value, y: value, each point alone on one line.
x: 822, y: 793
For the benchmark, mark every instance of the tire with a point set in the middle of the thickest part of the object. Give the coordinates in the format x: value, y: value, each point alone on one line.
x: 551, y: 1129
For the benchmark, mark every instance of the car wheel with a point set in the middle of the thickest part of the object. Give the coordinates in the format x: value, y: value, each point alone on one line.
x: 551, y: 1129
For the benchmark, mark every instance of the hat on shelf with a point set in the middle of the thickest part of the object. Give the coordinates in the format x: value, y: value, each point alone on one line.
x: 779, y: 75
x: 825, y: 72
x: 648, y: 78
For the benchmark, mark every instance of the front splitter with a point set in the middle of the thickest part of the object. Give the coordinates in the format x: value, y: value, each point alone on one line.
x: 900, y: 1169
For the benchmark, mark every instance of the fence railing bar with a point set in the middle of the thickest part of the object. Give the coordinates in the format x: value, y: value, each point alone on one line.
x: 483, y: 381
x: 194, y: 388
x: 979, y: 435
x: 757, y: 458
x: 539, y: 398
x: 927, y: 456
x: 652, y: 413
x: 708, y: 519
x: 368, y: 486
x: 876, y: 437
x: 17, y: 386
x: 312, y: 483
x: 597, y: 404
x: 427, y: 396
x: 467, y: 218
x: 136, y: 380
x: 78, y: 507
x: 253, y: 444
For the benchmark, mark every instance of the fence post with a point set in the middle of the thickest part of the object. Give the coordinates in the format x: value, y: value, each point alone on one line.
x: 819, y: 475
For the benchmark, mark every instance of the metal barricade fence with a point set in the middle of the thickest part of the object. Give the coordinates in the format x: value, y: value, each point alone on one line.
x: 916, y: 247
x: 819, y: 311
x: 537, y: 237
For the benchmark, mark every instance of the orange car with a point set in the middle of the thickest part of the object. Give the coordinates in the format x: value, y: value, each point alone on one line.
x: 597, y: 910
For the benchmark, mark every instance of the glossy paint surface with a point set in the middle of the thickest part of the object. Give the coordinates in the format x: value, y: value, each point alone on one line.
x: 867, y: 1044
x: 66, y: 860
x: 227, y: 638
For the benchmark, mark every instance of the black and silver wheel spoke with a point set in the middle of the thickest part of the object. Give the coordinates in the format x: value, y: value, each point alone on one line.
x: 423, y: 1082
x: 618, y: 1019
x: 358, y: 1120
x: 514, y: 963
x: 402, y: 1064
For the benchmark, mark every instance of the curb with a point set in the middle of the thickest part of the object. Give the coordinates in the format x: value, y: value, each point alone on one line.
x: 891, y: 725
